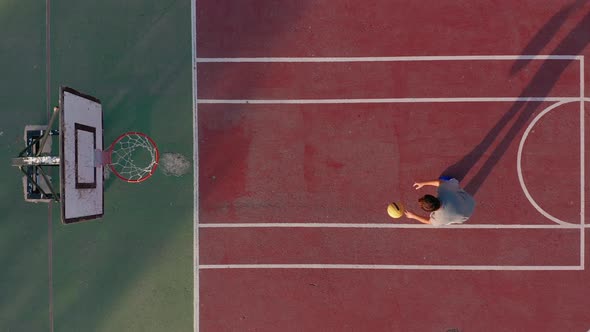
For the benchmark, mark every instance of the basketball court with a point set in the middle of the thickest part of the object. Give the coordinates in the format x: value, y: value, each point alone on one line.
x: 240, y: 182
x: 328, y: 111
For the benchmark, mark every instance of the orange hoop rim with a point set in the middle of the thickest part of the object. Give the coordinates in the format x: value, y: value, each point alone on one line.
x: 121, y: 137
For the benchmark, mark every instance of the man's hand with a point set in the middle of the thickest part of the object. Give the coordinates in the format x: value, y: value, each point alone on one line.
x: 418, y: 185
x: 410, y: 215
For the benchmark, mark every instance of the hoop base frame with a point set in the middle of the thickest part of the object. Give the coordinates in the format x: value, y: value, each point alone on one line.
x: 102, y: 158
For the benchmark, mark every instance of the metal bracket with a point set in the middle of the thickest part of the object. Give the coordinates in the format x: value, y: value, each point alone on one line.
x: 30, y: 162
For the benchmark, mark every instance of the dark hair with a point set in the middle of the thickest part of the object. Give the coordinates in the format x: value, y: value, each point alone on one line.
x: 429, y: 203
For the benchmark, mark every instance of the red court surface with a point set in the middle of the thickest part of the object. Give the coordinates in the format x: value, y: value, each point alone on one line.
x: 314, y: 115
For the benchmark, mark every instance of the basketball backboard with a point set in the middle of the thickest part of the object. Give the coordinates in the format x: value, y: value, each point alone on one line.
x: 81, y: 139
x: 133, y: 157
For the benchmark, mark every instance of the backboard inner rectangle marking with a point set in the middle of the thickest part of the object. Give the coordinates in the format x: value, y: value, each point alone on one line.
x: 85, y: 145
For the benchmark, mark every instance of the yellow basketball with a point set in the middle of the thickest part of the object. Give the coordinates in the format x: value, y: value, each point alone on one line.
x: 395, y: 210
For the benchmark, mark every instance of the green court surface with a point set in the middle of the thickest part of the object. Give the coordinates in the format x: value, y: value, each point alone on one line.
x: 132, y: 270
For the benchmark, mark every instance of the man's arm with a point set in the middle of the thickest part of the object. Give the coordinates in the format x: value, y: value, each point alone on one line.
x: 417, y: 217
x: 434, y: 183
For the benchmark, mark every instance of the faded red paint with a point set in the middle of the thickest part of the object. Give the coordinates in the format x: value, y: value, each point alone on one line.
x: 224, y: 144
x: 309, y: 155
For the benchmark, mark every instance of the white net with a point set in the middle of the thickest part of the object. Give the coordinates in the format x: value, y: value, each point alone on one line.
x: 134, y: 157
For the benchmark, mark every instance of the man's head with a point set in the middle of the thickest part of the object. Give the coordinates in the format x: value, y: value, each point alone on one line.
x: 429, y: 203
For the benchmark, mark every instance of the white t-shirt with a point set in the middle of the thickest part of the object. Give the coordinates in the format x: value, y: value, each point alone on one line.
x: 456, y: 204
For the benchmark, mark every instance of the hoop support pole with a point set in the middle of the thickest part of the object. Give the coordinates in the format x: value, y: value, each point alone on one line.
x: 47, y: 130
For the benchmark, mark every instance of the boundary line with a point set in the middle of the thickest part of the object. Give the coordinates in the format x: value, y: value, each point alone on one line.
x: 196, y: 285
x: 395, y: 267
x: 582, y: 165
x: 393, y: 226
x: 50, y: 205
x: 391, y: 58
x: 388, y: 100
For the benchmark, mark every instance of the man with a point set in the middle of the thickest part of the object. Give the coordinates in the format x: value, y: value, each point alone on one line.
x: 452, y: 206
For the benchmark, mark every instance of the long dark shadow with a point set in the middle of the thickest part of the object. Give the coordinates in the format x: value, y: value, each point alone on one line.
x: 540, y: 86
x: 545, y: 34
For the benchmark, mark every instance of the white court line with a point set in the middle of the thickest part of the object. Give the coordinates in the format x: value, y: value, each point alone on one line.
x: 388, y: 100
x: 196, y: 285
x: 392, y: 100
x: 582, y: 164
x: 391, y: 58
x: 392, y: 226
x: 396, y: 267
x: 519, y: 163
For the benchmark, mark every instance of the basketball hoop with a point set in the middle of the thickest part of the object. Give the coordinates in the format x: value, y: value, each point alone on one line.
x: 133, y: 157
x: 83, y: 158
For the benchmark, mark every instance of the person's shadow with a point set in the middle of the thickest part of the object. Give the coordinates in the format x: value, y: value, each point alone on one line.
x: 539, y: 86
